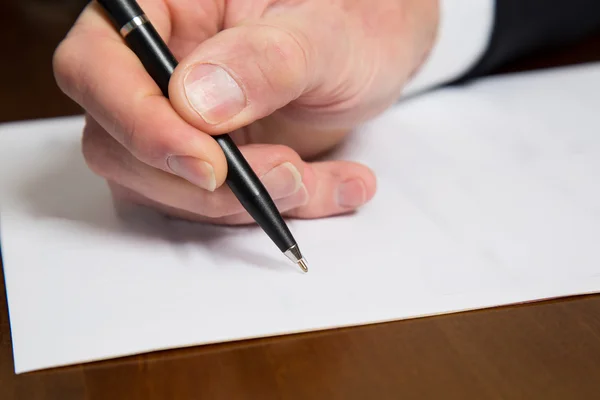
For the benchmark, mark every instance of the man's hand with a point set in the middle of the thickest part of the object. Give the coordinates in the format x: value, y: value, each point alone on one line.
x: 288, y: 80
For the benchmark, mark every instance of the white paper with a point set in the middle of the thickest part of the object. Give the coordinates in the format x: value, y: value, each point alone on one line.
x: 488, y: 195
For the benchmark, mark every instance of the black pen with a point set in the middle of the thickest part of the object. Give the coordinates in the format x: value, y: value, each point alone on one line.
x: 146, y: 43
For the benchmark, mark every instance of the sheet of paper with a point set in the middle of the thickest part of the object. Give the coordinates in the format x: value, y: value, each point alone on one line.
x: 488, y: 195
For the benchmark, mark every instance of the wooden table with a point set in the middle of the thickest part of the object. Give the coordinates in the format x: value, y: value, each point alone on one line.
x: 547, y: 350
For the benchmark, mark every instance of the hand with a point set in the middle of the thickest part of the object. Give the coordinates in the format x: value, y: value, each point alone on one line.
x: 288, y: 80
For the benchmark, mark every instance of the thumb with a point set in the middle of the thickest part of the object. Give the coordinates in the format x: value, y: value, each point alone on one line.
x: 243, y: 74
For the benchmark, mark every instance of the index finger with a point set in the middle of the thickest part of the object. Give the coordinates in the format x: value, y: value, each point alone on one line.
x: 95, y: 68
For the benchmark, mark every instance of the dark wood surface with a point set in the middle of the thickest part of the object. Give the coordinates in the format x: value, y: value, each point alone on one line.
x: 547, y: 350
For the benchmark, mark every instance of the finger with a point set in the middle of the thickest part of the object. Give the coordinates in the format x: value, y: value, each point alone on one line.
x: 126, y: 196
x: 278, y: 167
x: 334, y: 188
x: 305, y: 190
x: 248, y: 71
x: 95, y: 68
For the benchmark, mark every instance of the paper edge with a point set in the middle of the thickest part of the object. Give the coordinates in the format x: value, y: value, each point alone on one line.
x: 76, y: 363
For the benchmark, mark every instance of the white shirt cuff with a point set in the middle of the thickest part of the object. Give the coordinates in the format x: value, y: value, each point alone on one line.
x: 463, y: 36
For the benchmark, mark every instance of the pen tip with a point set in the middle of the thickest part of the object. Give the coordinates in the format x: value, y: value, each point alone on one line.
x: 302, y: 264
x: 293, y: 253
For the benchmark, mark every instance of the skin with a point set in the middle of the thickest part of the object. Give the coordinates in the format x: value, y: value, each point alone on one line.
x: 293, y: 79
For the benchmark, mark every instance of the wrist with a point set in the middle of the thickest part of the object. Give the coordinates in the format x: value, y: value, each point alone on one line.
x: 425, y: 22
x: 463, y: 32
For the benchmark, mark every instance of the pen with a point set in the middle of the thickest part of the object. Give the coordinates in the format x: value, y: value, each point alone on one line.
x: 159, y: 62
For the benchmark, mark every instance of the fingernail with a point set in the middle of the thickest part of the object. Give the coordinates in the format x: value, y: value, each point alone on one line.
x: 352, y: 194
x: 196, y: 171
x: 282, y: 181
x: 213, y: 93
x: 298, y: 199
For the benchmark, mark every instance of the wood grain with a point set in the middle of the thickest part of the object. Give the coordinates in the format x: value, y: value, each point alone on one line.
x: 548, y: 350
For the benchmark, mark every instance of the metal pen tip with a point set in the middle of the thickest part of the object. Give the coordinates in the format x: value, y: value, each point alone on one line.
x: 294, y: 254
x: 302, y: 264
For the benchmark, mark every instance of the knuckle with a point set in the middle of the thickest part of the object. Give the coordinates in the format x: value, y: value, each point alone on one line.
x: 147, y: 147
x: 146, y: 140
x: 69, y: 72
x: 63, y: 66
x: 129, y: 132
x: 280, y: 153
x: 286, y: 49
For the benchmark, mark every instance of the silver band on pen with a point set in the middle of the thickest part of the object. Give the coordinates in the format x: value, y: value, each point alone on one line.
x: 133, y: 24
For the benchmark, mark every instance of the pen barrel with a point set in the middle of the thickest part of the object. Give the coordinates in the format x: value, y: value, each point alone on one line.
x: 154, y: 54
x: 121, y: 11
x: 253, y: 195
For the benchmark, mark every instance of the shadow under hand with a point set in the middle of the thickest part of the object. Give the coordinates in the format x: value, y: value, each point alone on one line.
x: 67, y: 190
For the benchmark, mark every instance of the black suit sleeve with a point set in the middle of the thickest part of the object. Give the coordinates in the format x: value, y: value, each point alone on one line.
x: 525, y: 26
